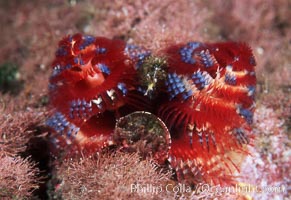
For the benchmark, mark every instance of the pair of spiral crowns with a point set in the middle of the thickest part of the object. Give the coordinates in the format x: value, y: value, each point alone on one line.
x: 202, y: 92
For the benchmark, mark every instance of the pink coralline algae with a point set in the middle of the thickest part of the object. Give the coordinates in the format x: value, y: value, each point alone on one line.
x: 203, y: 92
x: 270, y: 156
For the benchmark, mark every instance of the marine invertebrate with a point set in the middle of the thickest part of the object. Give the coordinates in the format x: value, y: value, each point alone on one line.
x: 210, y: 106
x: 143, y: 132
x: 91, y: 77
x: 203, y: 92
